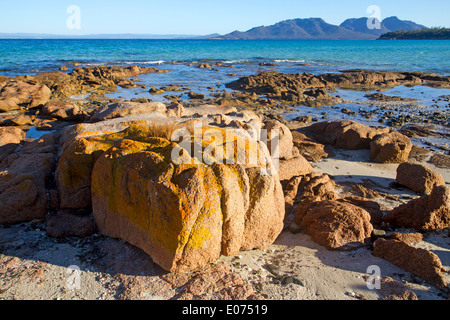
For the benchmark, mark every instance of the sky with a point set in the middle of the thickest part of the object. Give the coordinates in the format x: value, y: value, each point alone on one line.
x: 198, y: 17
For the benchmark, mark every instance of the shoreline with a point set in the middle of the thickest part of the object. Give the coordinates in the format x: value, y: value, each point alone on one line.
x: 34, y: 264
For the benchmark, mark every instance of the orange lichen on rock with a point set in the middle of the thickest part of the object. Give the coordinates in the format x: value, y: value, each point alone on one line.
x: 184, y: 213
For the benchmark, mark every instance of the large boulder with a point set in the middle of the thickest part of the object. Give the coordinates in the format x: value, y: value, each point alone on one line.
x: 123, y: 109
x: 311, y: 150
x: 23, y: 179
x: 336, y: 225
x: 16, y: 94
x: 82, y: 144
x: 184, y: 215
x: 279, y: 139
x: 344, y: 134
x: 419, y: 262
x: 418, y: 178
x: 392, y: 147
x: 429, y: 212
x: 11, y: 135
x: 62, y: 110
x: 294, y: 167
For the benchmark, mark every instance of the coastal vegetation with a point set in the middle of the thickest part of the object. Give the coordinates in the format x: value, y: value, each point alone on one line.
x: 438, y: 33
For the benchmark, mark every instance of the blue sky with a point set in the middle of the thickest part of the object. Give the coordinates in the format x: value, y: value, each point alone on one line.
x: 200, y: 16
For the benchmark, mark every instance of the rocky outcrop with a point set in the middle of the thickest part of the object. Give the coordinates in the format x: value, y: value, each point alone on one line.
x: 336, y: 225
x: 11, y: 135
x: 98, y: 80
x: 23, y: 179
x: 66, y: 223
x: 311, y: 150
x: 418, y: 177
x: 419, y: 262
x: 392, y: 147
x: 371, y: 79
x: 429, y: 212
x: 279, y: 139
x: 293, y: 167
x: 123, y: 109
x: 344, y: 134
x: 293, y: 88
x: 27, y: 94
x: 309, y: 89
x: 301, y: 191
x: 184, y: 216
x: 63, y: 110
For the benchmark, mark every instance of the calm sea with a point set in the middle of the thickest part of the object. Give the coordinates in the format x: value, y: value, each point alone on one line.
x: 23, y: 56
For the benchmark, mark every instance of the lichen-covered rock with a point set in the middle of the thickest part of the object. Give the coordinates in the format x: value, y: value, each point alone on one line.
x: 392, y: 147
x: 418, y: 177
x: 183, y: 215
x: 81, y: 145
x: 429, y: 212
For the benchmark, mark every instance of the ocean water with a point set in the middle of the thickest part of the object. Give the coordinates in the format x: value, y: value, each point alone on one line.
x: 242, y: 58
x: 22, y: 56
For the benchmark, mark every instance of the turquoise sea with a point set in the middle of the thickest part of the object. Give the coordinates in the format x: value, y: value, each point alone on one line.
x: 22, y: 56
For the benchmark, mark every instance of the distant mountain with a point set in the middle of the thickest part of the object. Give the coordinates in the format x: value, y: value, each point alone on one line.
x: 390, y: 24
x: 313, y: 28
x: 103, y: 36
x: 317, y: 28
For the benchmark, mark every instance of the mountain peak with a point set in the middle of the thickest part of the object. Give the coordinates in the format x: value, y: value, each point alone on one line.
x: 317, y: 28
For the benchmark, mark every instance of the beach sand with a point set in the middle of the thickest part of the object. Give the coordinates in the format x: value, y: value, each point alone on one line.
x: 35, y: 266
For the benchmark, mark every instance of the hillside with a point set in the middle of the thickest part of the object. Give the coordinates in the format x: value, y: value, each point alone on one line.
x: 423, y: 34
x: 313, y: 28
x: 390, y: 24
x: 317, y: 28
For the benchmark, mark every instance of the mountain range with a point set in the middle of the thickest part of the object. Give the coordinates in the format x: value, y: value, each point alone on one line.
x: 312, y: 28
x: 317, y: 28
